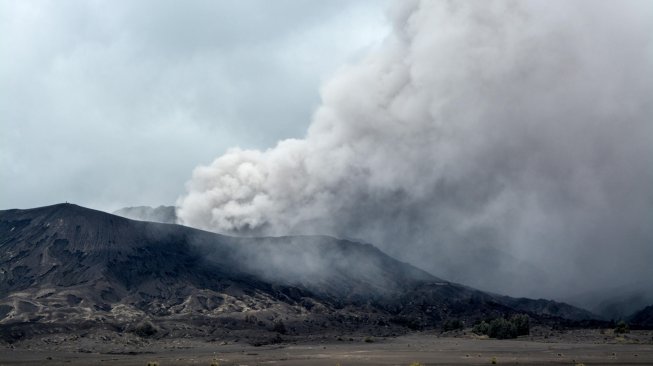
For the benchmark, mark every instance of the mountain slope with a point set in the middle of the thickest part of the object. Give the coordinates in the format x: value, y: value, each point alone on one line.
x: 548, y: 308
x: 643, y: 317
x: 65, y: 264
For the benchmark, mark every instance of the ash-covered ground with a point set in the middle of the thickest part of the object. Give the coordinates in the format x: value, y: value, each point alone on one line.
x: 543, y: 346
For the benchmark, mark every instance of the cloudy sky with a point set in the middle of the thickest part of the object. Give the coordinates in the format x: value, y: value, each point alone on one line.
x: 457, y: 136
x: 113, y: 103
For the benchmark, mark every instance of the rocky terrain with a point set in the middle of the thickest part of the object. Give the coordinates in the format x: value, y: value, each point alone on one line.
x: 69, y: 269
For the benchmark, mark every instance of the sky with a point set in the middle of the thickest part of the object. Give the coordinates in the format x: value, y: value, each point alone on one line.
x: 113, y: 103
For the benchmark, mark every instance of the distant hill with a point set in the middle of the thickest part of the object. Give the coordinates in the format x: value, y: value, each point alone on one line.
x: 548, y: 307
x: 617, y: 302
x: 162, y: 214
x: 66, y: 266
x: 643, y: 318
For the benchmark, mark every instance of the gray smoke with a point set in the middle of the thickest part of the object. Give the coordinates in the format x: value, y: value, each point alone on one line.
x: 162, y: 214
x: 507, y: 145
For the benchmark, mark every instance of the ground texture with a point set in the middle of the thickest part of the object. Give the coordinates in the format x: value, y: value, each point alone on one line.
x: 543, y: 347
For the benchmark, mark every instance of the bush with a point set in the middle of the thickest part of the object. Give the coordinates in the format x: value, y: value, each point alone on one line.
x: 452, y: 324
x: 501, y: 328
x: 481, y: 328
x: 279, y: 327
x: 523, y: 324
x: 145, y: 329
x: 621, y: 328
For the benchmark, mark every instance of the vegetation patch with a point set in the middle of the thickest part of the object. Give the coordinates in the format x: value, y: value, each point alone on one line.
x: 502, y: 328
x: 452, y: 324
x: 621, y: 328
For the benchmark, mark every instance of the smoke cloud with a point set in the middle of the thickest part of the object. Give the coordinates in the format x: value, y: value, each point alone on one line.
x: 506, y: 145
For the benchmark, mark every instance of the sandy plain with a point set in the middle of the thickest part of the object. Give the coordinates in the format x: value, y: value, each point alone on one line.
x: 578, y: 347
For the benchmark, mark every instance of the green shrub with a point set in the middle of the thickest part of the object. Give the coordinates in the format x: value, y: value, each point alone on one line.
x: 452, y: 324
x: 481, y: 328
x: 522, y: 323
x: 501, y: 328
x: 621, y: 328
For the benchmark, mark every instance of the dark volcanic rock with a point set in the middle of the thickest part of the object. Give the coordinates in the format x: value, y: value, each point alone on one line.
x: 66, y: 266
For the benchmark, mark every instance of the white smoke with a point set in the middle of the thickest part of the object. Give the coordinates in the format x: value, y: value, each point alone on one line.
x: 482, y: 139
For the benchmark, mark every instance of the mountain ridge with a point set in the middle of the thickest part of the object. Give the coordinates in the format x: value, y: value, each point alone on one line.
x: 642, y: 318
x: 66, y: 264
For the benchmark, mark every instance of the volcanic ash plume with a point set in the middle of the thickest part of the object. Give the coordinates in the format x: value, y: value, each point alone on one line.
x: 484, y: 139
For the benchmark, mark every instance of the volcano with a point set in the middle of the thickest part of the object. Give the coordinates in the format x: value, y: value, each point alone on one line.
x: 66, y: 267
